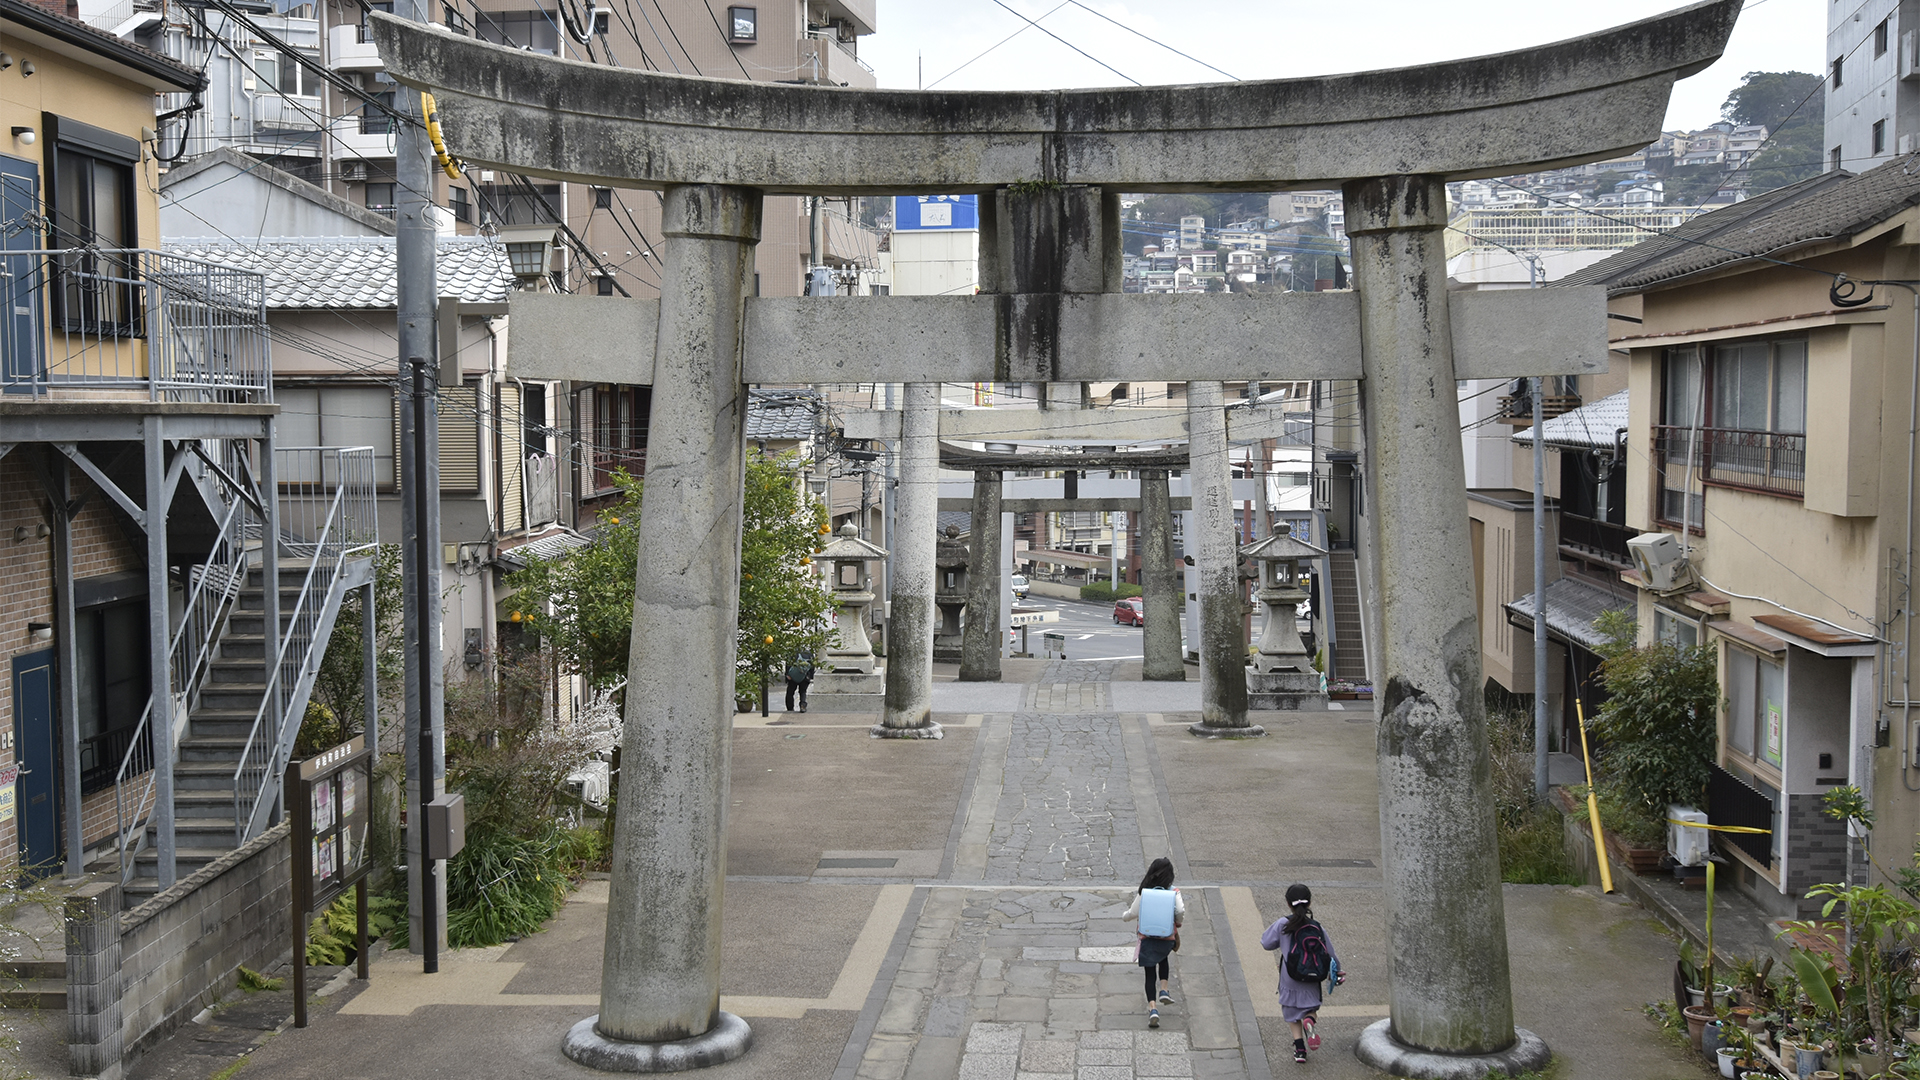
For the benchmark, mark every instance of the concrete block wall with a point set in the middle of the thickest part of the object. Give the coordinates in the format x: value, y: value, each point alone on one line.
x: 94, y: 980
x: 178, y: 952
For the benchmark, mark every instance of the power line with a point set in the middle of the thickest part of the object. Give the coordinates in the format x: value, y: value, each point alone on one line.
x: 1155, y: 40
x: 1070, y: 44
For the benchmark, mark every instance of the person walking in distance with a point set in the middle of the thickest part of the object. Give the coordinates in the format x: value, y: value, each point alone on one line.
x: 1158, y: 906
x: 799, y: 677
x: 1307, y: 963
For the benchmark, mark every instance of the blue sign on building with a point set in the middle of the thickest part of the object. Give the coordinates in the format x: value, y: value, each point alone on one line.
x: 936, y: 212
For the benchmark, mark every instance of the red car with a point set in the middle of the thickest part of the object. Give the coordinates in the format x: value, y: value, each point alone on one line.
x: 1128, y: 612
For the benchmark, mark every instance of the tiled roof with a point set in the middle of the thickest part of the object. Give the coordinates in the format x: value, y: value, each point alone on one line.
x: 781, y: 414
x: 1591, y: 426
x: 551, y: 546
x: 305, y: 274
x: 1832, y: 206
x: 1572, y: 607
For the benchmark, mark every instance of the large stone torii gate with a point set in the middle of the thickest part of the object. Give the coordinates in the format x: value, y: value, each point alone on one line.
x: 1055, y: 163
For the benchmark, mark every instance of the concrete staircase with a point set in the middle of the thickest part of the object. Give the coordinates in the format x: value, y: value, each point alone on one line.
x: 1349, y: 628
x: 34, y: 984
x: 216, y: 733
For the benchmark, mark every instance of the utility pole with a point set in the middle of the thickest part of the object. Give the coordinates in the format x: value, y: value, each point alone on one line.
x: 1541, y: 762
x: 417, y: 299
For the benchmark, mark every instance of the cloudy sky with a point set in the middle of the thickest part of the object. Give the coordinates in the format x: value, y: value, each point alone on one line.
x: 1272, y: 39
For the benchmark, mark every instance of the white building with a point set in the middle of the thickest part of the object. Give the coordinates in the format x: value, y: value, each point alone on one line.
x: 1873, y: 88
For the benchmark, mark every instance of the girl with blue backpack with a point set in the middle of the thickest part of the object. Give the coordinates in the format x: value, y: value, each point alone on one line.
x: 1308, y: 962
x: 1158, y: 906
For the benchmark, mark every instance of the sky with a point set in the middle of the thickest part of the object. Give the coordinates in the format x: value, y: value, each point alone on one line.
x: 1276, y: 39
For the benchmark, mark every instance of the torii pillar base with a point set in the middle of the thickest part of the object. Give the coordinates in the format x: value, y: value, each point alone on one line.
x: 728, y: 1038
x: 1377, y: 1047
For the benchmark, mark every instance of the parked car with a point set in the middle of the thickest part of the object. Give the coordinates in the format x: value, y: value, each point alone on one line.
x: 1129, y: 612
x: 1019, y: 583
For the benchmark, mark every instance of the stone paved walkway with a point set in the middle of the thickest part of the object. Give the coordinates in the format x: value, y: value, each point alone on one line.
x: 1020, y: 966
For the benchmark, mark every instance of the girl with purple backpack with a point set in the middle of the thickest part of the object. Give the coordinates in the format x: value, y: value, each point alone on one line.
x: 1158, y: 906
x: 1307, y: 963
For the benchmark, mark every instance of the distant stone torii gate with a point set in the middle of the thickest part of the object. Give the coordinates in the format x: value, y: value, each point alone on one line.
x: 1053, y: 164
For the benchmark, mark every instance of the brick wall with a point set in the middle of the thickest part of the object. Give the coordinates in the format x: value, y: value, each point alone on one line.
x: 26, y: 595
x: 176, y: 953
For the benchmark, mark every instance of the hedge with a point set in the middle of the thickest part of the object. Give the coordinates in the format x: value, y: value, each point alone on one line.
x: 1107, y: 593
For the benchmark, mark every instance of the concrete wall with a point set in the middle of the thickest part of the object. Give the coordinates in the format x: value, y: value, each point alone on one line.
x: 173, y: 955
x: 1871, y: 89
x: 935, y: 262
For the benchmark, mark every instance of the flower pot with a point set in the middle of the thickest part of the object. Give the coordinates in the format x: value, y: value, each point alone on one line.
x: 1710, y: 1040
x: 1808, y: 1060
x: 1728, y: 1055
x: 1826, y: 1074
x: 1697, y: 1018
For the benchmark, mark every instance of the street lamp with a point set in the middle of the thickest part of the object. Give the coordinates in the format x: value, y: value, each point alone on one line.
x: 529, y: 251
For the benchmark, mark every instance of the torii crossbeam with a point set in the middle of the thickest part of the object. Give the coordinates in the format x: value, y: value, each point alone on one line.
x: 1054, y: 164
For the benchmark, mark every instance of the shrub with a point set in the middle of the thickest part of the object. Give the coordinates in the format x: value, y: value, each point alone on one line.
x: 1106, y: 592
x: 1532, y: 841
x: 1657, y: 729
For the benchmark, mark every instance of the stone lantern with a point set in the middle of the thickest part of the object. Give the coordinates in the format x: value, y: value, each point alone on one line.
x: 1282, y: 675
x: 848, y: 667
x: 949, y: 594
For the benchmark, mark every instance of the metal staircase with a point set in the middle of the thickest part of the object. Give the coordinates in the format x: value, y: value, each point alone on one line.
x: 242, y: 707
x: 1349, y: 628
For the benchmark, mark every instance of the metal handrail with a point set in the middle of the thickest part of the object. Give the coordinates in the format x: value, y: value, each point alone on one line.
x: 205, y: 609
x: 347, y: 529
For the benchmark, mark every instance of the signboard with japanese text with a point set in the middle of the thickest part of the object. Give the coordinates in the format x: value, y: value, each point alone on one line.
x: 935, y: 212
x: 8, y: 776
x: 329, y: 799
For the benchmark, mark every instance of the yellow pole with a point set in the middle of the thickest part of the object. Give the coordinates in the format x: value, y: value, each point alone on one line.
x: 1593, y: 800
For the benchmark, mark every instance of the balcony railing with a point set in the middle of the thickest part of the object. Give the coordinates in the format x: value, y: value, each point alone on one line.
x: 175, y: 328
x: 1599, y: 540
x: 1773, y: 462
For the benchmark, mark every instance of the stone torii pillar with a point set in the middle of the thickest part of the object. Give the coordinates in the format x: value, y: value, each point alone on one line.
x: 1223, y: 641
x: 916, y: 502
x: 660, y: 984
x: 1440, y: 855
x: 980, y: 637
x: 1159, y: 584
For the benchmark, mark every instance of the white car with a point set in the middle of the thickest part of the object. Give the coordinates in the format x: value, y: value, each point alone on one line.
x: 1019, y: 583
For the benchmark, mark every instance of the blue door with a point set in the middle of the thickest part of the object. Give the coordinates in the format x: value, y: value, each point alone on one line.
x: 36, y: 793
x: 20, y: 342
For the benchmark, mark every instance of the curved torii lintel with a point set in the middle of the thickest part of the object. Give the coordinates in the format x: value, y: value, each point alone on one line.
x: 1579, y: 100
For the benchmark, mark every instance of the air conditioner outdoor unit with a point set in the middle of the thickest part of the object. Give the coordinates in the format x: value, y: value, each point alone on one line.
x: 1661, y: 563
x: 1909, y: 54
x: 353, y: 171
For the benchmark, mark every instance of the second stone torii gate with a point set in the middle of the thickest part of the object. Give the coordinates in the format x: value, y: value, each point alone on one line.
x: 1056, y: 163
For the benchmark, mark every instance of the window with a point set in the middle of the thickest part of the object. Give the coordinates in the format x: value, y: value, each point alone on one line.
x: 92, y: 206
x: 1879, y: 137
x: 1746, y: 427
x: 602, y: 198
x: 1833, y: 159
x: 458, y: 203
x: 1837, y: 64
x: 339, y: 416
x: 619, y: 432
x: 510, y: 204
x: 375, y: 5
x: 1880, y: 37
x: 375, y: 119
x: 380, y: 198
x: 110, y: 670
x: 603, y: 285
x: 457, y: 22
x: 1756, y: 706
x: 295, y: 79
x: 1675, y: 629
x: 744, y: 23
x: 531, y: 30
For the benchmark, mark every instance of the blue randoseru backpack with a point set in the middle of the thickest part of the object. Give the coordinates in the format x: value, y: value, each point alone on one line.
x: 1156, y: 912
x: 1309, y: 960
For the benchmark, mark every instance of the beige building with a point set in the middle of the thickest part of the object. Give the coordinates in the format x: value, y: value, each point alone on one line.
x: 1769, y: 406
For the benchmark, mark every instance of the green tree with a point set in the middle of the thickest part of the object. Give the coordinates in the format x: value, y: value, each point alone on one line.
x: 1658, y: 726
x: 339, y: 689
x: 581, y: 603
x: 783, y: 603
x: 1792, y: 105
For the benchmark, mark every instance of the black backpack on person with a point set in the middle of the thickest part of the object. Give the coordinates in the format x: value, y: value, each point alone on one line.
x: 1309, y: 958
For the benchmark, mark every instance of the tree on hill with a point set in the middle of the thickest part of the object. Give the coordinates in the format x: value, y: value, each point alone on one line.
x: 1792, y: 105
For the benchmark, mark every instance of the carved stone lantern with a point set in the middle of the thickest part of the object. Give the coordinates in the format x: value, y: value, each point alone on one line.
x: 949, y: 594
x: 1282, y: 675
x: 848, y: 556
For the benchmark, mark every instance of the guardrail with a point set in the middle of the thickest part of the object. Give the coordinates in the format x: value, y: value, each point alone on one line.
x: 175, y: 327
x: 326, y: 514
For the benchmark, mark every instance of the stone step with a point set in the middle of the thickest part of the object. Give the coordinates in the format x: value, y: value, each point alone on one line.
x: 44, y: 994
x: 34, y: 969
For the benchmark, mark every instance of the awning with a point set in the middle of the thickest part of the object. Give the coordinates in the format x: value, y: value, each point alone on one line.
x: 1590, y: 427
x: 1816, y: 637
x: 551, y: 546
x: 1572, y: 607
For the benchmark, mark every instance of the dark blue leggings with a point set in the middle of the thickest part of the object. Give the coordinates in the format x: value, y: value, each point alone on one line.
x: 1153, y: 982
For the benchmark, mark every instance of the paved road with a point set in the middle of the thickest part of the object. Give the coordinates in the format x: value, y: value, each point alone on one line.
x: 1089, y: 629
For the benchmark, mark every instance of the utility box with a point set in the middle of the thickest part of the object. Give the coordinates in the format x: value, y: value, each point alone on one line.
x: 1688, y: 845
x: 446, y: 834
